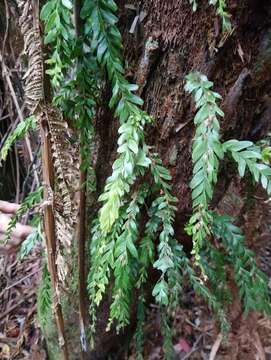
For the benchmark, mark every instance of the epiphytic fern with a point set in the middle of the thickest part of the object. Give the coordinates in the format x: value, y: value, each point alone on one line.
x: 249, y: 156
x: 106, y: 40
x: 18, y: 133
x: 101, y: 258
x: 134, y: 158
x: 32, y: 239
x: 44, y: 299
x: 59, y: 33
x: 208, y: 150
x: 32, y: 199
x: 131, y: 162
x: 126, y: 254
x: 252, y: 282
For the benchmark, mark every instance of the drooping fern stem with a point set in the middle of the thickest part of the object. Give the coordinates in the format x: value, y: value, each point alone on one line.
x: 206, y: 153
x: 18, y: 133
x: 126, y: 257
x: 59, y: 34
x: 44, y: 298
x: 31, y: 200
x: 251, y: 281
x: 139, y: 332
x: 204, y: 225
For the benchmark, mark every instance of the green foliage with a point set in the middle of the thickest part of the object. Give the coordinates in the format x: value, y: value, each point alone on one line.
x: 128, y: 264
x: 101, y: 258
x: 60, y: 36
x: 247, y: 155
x: 221, y: 10
x: 106, y: 42
x: 212, y: 298
x: 133, y: 215
x: 77, y: 99
x: 252, y: 282
x: 44, y: 299
x: 73, y: 66
x: 31, y: 200
x: 266, y: 154
x: 133, y: 160
x: 18, y: 133
x: 207, y: 152
x: 126, y: 254
x: 31, y: 240
x: 214, y: 264
x: 165, y: 214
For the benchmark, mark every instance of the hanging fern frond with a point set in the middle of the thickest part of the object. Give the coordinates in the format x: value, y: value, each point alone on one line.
x: 18, y: 133
x: 132, y: 161
x: 32, y: 199
x: 146, y: 246
x: 211, y: 298
x: 30, y: 242
x: 101, y: 259
x: 60, y: 36
x: 107, y: 43
x: 204, y: 225
x: 206, y: 153
x: 249, y: 156
x: 44, y: 298
x: 214, y: 263
x: 251, y: 281
x: 126, y: 254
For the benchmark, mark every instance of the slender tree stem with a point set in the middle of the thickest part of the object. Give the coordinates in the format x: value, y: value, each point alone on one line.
x: 82, y: 218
